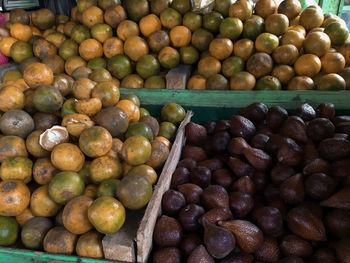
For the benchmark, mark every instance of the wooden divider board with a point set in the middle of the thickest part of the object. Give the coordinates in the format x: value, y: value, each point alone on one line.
x: 144, y: 234
x: 133, y: 242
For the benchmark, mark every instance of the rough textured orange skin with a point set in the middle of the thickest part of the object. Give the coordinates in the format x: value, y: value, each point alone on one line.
x: 23, y: 217
x: 136, y: 150
x: 90, y: 245
x: 74, y: 216
x: 59, y: 241
x: 14, y: 197
x: 43, y: 48
x: 76, y: 123
x: 285, y: 54
x: 221, y: 48
x: 135, y: 47
x: 159, y: 155
x: 73, y: 63
x: 114, y: 15
x: 95, y: 141
x: 17, y: 168
x: 90, y: 48
x: 11, y: 98
x: 163, y: 140
x: 105, y: 167
x: 38, y: 74
x: 44, y: 171
x: 33, y: 146
x: 67, y: 157
x: 117, y: 145
x: 82, y: 88
x: 12, y: 146
x: 41, y: 203
x: 113, y: 46
x: 92, y: 15
x: 89, y: 107
x: 107, y: 214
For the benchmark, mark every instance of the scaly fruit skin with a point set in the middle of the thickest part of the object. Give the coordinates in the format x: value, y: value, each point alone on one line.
x: 258, y: 158
x: 305, y: 224
x: 248, y: 236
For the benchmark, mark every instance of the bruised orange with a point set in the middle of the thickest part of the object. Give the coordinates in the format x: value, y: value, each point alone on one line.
x: 11, y: 146
x: 90, y: 245
x: 95, y: 141
x: 44, y: 171
x: 114, y: 15
x: 14, y: 196
x: 113, y: 46
x: 130, y: 109
x: 38, y: 74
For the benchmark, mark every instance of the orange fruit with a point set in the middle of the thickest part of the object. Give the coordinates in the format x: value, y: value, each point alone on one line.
x: 243, y: 48
x: 38, y: 74
x: 307, y: 65
x: 242, y: 81
x: 180, y: 36
x: 133, y: 81
x: 130, y: 109
x: 5, y: 45
x: 264, y: 8
x: 209, y: 66
x: 14, y: 196
x: 266, y: 42
x: 294, y: 38
x: 221, y: 48
x: 92, y: 16
x: 135, y: 47
x: 276, y: 24
x: 114, y: 15
x: 21, y: 32
x: 113, y: 46
x: 196, y: 82
x: 150, y: 23
x: 90, y: 49
x: 95, y: 141
x: 126, y: 29
x: 104, y: 168
x: 107, y: 207
x: 67, y: 157
x: 90, y: 245
x: 332, y: 62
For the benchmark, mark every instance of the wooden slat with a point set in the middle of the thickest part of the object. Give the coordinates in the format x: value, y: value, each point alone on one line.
x: 177, y: 77
x: 145, y: 233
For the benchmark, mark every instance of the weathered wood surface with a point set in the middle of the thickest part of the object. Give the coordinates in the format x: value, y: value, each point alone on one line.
x: 145, y: 233
x: 177, y: 77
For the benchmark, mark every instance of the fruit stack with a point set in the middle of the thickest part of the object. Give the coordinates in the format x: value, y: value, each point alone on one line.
x: 237, y: 46
x: 264, y: 186
x: 74, y: 157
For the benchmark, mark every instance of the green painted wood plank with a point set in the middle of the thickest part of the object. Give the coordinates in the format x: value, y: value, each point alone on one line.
x: 238, y: 99
x: 12, y: 255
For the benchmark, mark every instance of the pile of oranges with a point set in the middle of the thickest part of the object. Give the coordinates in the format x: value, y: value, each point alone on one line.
x: 74, y: 156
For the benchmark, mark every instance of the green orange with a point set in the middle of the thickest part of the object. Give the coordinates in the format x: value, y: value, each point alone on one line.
x: 8, y: 230
x: 47, y: 99
x: 107, y: 187
x: 139, y: 128
x: 266, y: 42
x: 136, y: 150
x: 253, y: 27
x: 101, y: 32
x: 192, y: 20
x: 167, y: 130
x: 147, y: 66
x: 80, y: 33
x: 69, y: 48
x: 134, y: 191
x: 337, y: 32
x: 173, y: 113
x: 17, y: 168
x: 189, y: 55
x: 154, y: 82
x: 212, y: 21
x: 65, y: 186
x: 120, y: 66
x: 231, y: 27
x: 268, y: 83
x: 106, y: 207
x: 232, y: 65
x: 169, y: 57
x: 96, y: 63
x: 21, y: 50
